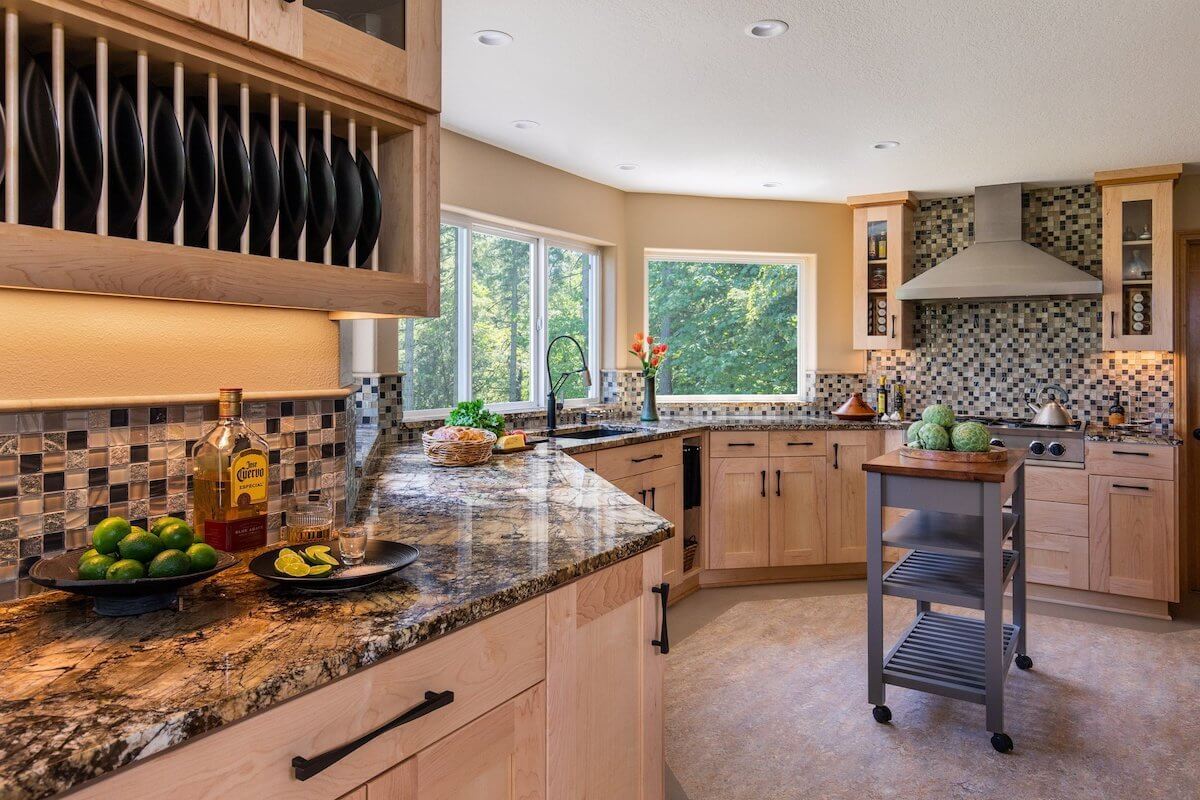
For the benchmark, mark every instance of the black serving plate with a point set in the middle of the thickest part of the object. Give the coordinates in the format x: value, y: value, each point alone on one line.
x: 126, y: 162
x: 200, y: 186
x: 83, y: 159
x: 119, y: 598
x: 38, y: 142
x: 382, y: 559
x: 368, y: 233
x: 349, y: 202
x: 264, y: 186
x: 233, y: 182
x: 293, y: 199
x: 322, y: 199
x: 167, y: 168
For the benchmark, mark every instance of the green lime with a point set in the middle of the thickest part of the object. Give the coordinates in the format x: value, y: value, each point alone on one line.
x: 319, y: 570
x: 176, y: 536
x: 108, y: 532
x: 202, y: 556
x: 287, y: 551
x: 125, y: 570
x: 328, y: 560
x: 95, y: 568
x: 294, y: 568
x: 162, y: 523
x: 170, y: 564
x: 88, y: 554
x: 140, y: 545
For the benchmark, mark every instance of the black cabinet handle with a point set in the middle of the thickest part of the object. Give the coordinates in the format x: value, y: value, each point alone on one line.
x: 663, y: 642
x: 800, y: 444
x: 647, y: 458
x: 1112, y: 324
x: 893, y: 326
x: 778, y: 483
x: 764, y: 483
x: 835, y: 455
x: 642, y: 494
x: 308, y: 767
x: 1130, y: 453
x: 740, y: 444
x: 653, y: 495
x: 1131, y: 486
x: 1196, y: 433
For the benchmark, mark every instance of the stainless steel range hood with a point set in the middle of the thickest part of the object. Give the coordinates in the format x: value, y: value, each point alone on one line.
x: 999, y: 265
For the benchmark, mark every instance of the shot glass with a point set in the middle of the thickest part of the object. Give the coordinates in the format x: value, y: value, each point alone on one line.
x: 352, y: 543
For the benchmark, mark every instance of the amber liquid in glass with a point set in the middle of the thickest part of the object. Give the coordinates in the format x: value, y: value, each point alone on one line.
x: 230, y: 481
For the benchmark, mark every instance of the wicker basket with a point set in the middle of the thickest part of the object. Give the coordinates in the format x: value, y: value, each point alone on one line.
x: 443, y: 453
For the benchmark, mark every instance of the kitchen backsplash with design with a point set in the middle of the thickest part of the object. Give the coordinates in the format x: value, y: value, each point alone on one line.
x: 63, y: 471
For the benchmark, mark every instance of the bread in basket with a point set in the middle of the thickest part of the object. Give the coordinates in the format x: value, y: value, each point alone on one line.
x: 458, y: 446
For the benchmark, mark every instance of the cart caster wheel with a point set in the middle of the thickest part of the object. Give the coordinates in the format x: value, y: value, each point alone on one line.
x: 882, y: 714
x: 1002, y: 742
x: 1024, y: 662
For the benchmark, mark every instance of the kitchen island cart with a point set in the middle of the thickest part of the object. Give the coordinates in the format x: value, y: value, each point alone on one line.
x: 955, y: 533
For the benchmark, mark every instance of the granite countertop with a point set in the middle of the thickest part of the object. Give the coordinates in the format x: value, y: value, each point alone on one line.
x: 681, y: 425
x: 83, y: 695
x: 1102, y: 433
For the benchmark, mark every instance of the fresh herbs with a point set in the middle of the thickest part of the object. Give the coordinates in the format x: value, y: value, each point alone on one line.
x: 472, y: 414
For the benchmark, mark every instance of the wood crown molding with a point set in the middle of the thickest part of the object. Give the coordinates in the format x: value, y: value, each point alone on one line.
x: 138, y: 401
x: 1158, y: 172
x: 886, y: 199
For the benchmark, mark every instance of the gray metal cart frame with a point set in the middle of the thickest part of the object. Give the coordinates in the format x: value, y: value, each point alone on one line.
x: 956, y: 533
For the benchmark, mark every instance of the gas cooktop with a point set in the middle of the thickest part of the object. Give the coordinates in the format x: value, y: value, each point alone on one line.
x: 1013, y: 422
x: 1061, y: 444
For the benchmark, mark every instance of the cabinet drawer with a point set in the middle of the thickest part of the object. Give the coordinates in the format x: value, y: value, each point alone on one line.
x: 1131, y: 460
x: 635, y: 459
x: 1056, y: 559
x: 1057, y: 484
x: 1046, y: 516
x: 797, y: 443
x: 738, y: 444
x: 484, y: 665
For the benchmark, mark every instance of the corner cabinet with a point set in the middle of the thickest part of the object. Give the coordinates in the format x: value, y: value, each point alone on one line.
x: 1138, y: 257
x: 265, y: 99
x: 883, y: 260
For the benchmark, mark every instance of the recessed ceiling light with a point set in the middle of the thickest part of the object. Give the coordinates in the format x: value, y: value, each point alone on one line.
x: 627, y: 167
x: 525, y: 124
x: 772, y: 185
x: 493, y: 38
x: 886, y: 145
x: 766, y: 28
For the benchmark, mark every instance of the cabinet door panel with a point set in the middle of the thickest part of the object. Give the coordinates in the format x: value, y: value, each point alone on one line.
x: 797, y: 511
x: 500, y: 756
x: 1056, y: 559
x: 604, y: 684
x: 278, y: 26
x: 1132, y: 539
x: 846, y: 504
x: 664, y: 495
x: 227, y: 16
x: 739, y: 513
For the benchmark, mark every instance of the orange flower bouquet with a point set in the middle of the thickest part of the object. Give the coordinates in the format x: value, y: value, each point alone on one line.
x: 650, y: 354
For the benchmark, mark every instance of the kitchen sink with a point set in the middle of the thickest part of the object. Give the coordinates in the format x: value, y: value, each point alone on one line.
x: 597, y: 432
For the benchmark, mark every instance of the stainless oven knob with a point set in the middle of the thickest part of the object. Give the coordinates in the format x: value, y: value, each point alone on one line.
x: 1037, y: 448
x: 1056, y: 449
x: 996, y: 443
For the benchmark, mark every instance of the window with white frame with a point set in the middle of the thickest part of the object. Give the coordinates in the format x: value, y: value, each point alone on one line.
x: 739, y: 325
x: 506, y: 293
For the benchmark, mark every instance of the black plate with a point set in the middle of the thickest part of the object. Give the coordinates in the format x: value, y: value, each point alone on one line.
x: 118, y: 598
x: 38, y: 176
x: 264, y: 186
x: 293, y: 199
x: 83, y: 158
x: 349, y: 201
x: 126, y: 162
x: 167, y: 171
x: 382, y: 559
x: 200, y: 185
x: 368, y: 233
x: 322, y: 199
x: 233, y: 185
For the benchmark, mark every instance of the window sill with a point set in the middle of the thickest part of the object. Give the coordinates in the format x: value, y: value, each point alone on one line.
x: 733, y: 398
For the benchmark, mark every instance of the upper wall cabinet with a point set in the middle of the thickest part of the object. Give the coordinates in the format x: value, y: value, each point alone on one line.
x: 883, y: 258
x: 1138, y: 257
x: 250, y: 152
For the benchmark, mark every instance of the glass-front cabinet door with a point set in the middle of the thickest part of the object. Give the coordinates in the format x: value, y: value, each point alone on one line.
x: 382, y: 19
x: 1138, y: 257
x: 882, y: 261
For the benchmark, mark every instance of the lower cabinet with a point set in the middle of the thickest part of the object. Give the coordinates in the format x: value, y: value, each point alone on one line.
x: 500, y: 756
x: 739, y: 517
x: 797, y: 503
x: 604, y: 684
x: 1132, y: 535
x: 662, y: 491
x: 846, y: 501
x: 1057, y: 559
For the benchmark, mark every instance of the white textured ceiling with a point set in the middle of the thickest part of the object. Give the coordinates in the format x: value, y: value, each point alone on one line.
x: 976, y: 91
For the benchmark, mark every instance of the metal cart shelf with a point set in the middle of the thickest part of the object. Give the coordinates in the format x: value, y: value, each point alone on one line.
x: 956, y: 532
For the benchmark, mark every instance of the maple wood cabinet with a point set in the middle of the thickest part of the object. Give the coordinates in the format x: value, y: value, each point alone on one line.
x: 883, y: 260
x: 1132, y: 537
x: 846, y: 502
x: 797, y: 502
x: 739, y: 513
x: 662, y: 492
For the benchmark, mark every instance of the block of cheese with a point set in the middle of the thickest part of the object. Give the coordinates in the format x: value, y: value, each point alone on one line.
x: 511, y: 441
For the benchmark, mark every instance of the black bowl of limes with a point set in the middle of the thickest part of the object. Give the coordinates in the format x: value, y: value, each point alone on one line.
x: 131, y: 570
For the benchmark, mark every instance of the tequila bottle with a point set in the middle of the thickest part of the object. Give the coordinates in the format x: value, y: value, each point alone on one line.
x: 231, y: 480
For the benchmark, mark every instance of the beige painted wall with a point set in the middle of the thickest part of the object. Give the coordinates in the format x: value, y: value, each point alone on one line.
x: 481, y: 178
x: 58, y: 345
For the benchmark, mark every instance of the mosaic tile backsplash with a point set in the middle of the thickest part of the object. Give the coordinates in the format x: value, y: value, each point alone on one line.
x: 63, y: 471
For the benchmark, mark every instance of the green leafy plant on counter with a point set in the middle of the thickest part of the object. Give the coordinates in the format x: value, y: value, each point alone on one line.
x: 472, y: 414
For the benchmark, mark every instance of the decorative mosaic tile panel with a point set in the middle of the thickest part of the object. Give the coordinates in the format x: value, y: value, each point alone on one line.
x: 61, y: 472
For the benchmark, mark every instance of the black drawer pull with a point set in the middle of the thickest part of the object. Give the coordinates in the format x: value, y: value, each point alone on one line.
x: 835, y: 455
x: 1131, y: 486
x: 764, y: 483
x: 646, y: 458
x: 642, y: 494
x: 740, y: 444
x: 653, y: 497
x: 778, y: 483
x: 1130, y: 453
x: 308, y: 767
x: 800, y: 444
x: 663, y: 642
